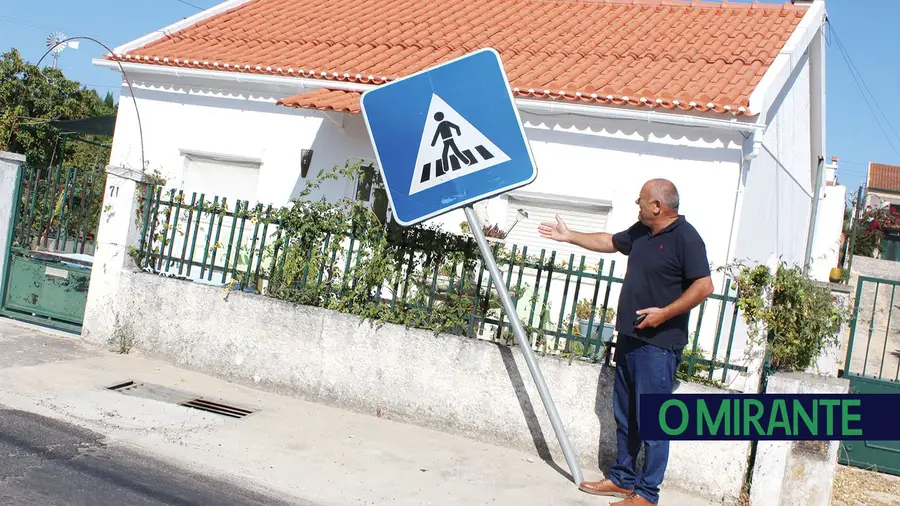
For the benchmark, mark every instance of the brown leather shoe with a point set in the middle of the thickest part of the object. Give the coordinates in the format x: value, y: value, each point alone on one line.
x: 633, y: 500
x: 603, y: 487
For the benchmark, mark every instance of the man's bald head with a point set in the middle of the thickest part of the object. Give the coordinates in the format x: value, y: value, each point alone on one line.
x: 658, y: 203
x: 663, y: 191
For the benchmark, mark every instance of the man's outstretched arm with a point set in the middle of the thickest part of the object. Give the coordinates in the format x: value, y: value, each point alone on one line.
x: 600, y: 242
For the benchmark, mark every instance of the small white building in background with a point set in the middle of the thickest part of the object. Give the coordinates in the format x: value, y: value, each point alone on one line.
x: 727, y: 101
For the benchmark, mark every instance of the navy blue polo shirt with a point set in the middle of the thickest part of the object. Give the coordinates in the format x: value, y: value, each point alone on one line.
x: 660, y: 269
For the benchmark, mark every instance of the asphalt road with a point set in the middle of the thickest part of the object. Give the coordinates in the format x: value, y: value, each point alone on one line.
x: 45, y: 462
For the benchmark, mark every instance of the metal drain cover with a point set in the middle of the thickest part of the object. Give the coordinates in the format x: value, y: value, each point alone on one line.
x: 215, y: 407
x: 172, y: 396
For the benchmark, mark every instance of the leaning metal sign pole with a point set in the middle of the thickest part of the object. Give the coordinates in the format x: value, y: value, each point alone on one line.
x: 445, y: 138
x: 524, y: 344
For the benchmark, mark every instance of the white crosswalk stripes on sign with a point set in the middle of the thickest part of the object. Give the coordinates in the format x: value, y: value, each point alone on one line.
x: 451, y: 147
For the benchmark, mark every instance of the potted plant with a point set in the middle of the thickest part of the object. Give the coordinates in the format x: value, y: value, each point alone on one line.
x: 836, y: 275
x: 583, y: 312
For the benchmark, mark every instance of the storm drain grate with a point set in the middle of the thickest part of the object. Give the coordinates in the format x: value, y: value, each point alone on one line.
x: 160, y: 393
x: 122, y: 386
x: 215, y: 407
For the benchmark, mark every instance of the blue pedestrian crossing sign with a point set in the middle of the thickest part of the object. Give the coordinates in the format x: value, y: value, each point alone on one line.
x: 447, y: 137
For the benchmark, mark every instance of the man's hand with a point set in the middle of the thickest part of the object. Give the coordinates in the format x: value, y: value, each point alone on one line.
x: 699, y: 290
x: 655, y: 317
x: 600, y: 242
x: 557, y: 231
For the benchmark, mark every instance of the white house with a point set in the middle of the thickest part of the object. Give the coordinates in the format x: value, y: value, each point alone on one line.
x: 883, y: 186
x: 727, y: 100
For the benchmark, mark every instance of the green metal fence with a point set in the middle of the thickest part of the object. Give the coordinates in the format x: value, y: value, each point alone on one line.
x: 872, y: 365
x: 59, y: 209
x: 566, y: 304
x: 873, y: 345
x: 204, y: 239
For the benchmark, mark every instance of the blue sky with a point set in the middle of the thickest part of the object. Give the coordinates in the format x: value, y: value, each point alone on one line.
x: 866, y: 29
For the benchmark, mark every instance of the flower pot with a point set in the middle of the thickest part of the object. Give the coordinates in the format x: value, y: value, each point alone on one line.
x: 605, y: 335
x: 836, y: 275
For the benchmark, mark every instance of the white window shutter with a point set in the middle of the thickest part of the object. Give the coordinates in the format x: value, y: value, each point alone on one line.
x: 580, y: 217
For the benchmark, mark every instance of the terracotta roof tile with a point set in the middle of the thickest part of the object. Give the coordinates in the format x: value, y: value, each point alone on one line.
x: 653, y: 52
x: 884, y: 177
x: 325, y: 100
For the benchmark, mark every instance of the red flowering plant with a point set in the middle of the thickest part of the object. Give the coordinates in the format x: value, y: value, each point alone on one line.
x: 873, y: 224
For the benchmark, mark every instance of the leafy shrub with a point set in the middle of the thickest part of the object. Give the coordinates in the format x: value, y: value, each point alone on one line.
x: 799, y: 317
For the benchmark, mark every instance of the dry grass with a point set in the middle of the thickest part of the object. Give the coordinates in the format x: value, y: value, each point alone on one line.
x: 853, y: 487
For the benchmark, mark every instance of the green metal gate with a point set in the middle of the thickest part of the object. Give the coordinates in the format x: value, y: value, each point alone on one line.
x: 51, y: 248
x: 873, y: 365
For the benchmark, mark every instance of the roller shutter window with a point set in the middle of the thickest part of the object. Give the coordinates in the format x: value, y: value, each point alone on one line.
x: 580, y: 217
x: 221, y: 178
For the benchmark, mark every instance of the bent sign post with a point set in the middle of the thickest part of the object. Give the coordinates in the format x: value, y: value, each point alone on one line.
x: 445, y: 138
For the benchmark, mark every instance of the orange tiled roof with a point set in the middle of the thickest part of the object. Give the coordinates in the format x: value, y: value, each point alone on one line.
x: 325, y: 100
x: 884, y: 177
x: 677, y: 54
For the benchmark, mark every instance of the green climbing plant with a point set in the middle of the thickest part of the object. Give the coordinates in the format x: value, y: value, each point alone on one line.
x: 796, y: 317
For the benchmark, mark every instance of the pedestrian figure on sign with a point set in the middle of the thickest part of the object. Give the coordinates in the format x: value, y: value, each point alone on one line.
x: 445, y: 131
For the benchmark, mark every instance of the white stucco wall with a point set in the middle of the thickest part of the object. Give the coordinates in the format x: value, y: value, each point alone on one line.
x: 778, y: 191
x: 577, y: 157
x: 9, y: 180
x: 235, y: 122
x: 606, y: 160
x: 829, y: 228
x: 880, y: 198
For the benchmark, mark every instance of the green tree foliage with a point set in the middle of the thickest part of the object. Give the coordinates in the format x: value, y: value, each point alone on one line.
x: 31, y: 96
x: 66, y: 170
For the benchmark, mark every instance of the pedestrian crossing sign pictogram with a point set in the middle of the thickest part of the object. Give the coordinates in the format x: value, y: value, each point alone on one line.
x: 447, y: 136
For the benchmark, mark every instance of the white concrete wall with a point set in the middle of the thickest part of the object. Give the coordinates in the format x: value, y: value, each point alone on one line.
x: 9, y: 180
x: 607, y: 160
x: 234, y: 122
x: 878, y: 198
x: 778, y: 190
x: 829, y: 228
x: 788, y: 473
x: 577, y: 157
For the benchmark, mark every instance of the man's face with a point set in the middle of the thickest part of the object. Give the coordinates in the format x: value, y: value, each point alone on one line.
x: 647, y: 208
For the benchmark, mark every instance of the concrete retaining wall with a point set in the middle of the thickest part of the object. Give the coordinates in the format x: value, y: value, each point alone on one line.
x: 788, y: 473
x: 463, y: 386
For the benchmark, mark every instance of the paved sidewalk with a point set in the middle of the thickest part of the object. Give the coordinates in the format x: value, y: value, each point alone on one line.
x: 298, y: 450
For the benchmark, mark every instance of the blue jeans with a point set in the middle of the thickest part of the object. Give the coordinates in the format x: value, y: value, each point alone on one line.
x: 641, y: 368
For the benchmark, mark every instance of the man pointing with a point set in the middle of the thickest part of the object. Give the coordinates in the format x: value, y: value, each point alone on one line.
x: 667, y: 276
